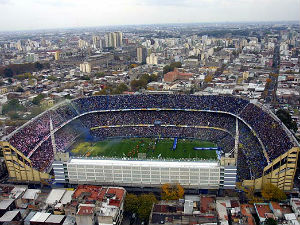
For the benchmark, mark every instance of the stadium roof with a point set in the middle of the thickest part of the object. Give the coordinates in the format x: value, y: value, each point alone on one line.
x: 146, y: 163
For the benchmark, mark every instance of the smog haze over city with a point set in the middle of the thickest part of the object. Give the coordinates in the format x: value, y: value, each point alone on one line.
x: 44, y: 14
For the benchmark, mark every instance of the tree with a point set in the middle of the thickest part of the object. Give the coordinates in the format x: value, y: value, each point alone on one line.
x: 120, y: 89
x: 19, y: 89
x: 171, y: 67
x: 142, y: 205
x: 52, y: 78
x: 131, y: 203
x: 138, y: 84
x: 286, y: 118
x: 271, y: 192
x: 8, y: 72
x: 37, y: 100
x: 270, y: 221
x: 38, y: 66
x: 12, y: 106
x: 208, y: 78
x: 85, y: 77
x: 172, y: 192
x: 143, y: 81
x: 146, y: 202
x: 100, y: 74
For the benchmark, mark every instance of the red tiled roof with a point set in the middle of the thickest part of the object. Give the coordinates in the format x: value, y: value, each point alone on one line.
x: 175, y: 75
x: 245, y: 210
x: 205, y: 202
x: 276, y: 205
x: 119, y: 196
x: 262, y: 210
x: 235, y: 203
x: 98, y: 193
x: 85, y: 210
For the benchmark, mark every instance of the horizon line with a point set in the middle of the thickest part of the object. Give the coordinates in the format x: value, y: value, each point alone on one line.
x: 151, y: 24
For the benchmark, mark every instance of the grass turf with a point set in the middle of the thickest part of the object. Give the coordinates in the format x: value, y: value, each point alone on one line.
x: 132, y: 147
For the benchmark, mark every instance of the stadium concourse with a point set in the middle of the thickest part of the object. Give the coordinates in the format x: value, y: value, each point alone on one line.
x: 262, y: 137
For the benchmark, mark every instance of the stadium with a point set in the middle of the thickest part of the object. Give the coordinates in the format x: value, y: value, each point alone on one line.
x: 201, y: 142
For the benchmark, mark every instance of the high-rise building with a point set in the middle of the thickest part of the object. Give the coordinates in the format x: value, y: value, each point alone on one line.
x: 119, y: 38
x: 114, y: 39
x: 96, y: 43
x: 82, y: 43
x: 57, y: 55
x: 141, y: 54
x: 85, y: 67
x: 152, y: 59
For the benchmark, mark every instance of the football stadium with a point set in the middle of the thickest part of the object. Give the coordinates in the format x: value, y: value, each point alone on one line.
x: 201, y: 142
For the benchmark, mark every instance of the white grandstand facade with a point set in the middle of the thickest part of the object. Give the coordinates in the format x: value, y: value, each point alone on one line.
x: 204, y: 174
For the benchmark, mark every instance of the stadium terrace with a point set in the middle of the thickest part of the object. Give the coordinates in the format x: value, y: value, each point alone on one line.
x: 251, y: 137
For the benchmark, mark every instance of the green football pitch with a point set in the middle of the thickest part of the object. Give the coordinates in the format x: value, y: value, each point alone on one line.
x: 145, y: 148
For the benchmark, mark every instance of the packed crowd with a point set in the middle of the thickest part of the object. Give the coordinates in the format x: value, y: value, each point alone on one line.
x: 190, y: 118
x: 271, y: 133
x: 66, y: 136
x: 43, y: 157
x: 251, y: 160
x: 274, y: 138
x: 215, y: 103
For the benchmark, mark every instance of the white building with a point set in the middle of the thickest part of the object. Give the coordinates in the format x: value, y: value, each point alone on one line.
x: 85, y: 67
x: 151, y: 173
x: 151, y: 59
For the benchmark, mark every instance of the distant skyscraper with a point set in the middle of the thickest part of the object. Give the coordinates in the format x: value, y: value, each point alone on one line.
x: 57, y: 55
x: 96, y: 43
x: 85, y: 67
x: 119, y: 39
x: 152, y: 59
x: 82, y: 43
x: 114, y: 39
x: 141, y: 54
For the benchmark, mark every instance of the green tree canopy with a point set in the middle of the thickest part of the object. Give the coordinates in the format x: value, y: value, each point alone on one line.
x: 8, y: 72
x: 270, y: 221
x: 142, y: 204
x: 16, y: 69
x: 12, y: 106
x: 100, y: 74
x: 143, y: 81
x: 146, y: 202
x: 37, y: 100
x: 271, y: 192
x: 120, y: 89
x: 131, y: 203
x: 171, y: 67
x: 19, y: 89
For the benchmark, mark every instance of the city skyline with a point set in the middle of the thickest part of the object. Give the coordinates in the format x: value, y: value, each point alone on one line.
x: 52, y: 14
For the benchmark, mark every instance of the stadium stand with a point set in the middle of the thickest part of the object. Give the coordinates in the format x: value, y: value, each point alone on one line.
x: 259, y: 131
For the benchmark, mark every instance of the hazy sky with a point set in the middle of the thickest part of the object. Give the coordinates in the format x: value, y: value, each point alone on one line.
x: 39, y: 14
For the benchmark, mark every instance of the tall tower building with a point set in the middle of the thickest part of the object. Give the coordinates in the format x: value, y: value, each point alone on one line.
x: 119, y: 39
x: 96, y: 42
x: 152, y: 59
x: 57, y: 55
x: 141, y: 54
x: 114, y: 39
